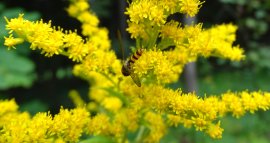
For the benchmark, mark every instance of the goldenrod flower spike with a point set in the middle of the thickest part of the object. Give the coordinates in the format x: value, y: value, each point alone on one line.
x: 120, y: 107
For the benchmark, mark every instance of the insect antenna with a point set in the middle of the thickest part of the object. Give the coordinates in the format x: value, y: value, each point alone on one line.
x: 121, y: 46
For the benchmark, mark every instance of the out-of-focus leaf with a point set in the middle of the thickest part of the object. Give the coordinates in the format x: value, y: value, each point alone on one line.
x: 260, y: 14
x: 32, y: 16
x: 236, y: 64
x: 264, y: 52
x: 253, y: 56
x: 34, y: 107
x: 228, y: 1
x: 251, y: 23
x: 12, y: 13
x: 1, y: 7
x: 262, y: 27
x: 15, y: 63
x: 264, y: 63
x: 98, y: 139
x: 255, y: 4
x: 15, y: 70
x: 239, y: 2
x: 100, y: 7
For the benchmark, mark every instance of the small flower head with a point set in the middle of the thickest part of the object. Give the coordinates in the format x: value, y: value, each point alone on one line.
x: 190, y: 7
x: 215, y: 131
x: 10, y: 41
x: 112, y: 103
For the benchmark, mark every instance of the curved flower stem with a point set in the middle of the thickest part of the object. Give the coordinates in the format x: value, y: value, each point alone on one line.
x: 107, y: 77
x: 140, y: 135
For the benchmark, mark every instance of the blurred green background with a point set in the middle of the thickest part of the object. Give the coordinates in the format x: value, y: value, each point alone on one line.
x: 40, y: 84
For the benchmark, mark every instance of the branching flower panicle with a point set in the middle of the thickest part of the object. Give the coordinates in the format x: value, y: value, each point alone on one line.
x: 118, y: 106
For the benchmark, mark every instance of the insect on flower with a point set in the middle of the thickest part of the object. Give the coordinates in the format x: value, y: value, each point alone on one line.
x: 127, y: 68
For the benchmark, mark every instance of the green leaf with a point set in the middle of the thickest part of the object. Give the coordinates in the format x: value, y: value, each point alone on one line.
x: 98, y: 139
x: 12, y: 13
x: 15, y: 70
x: 100, y: 7
x: 34, y: 106
x: 238, y: 2
x: 262, y: 27
x: 253, y: 56
x: 2, y: 7
x: 260, y: 14
x: 32, y: 16
x: 15, y: 63
x: 251, y: 23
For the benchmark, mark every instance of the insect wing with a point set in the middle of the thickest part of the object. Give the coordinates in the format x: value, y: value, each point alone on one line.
x: 135, y: 79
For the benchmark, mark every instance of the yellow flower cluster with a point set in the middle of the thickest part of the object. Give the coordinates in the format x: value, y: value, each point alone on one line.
x: 157, y: 65
x: 79, y: 9
x: 155, y: 12
x: 45, y: 38
x: 202, y: 113
x: 172, y: 44
x: 146, y: 15
x: 119, y: 106
x: 116, y: 126
x: 17, y: 127
x: 189, y: 43
x: 156, y: 126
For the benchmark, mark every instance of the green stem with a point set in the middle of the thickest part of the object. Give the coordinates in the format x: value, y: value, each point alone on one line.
x: 140, y: 135
x: 165, y: 43
x: 64, y: 53
x: 153, y: 37
x: 138, y: 43
x: 107, y: 77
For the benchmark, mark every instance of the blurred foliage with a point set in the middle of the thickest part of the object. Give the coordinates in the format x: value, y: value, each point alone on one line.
x: 16, y: 69
x: 101, y: 7
x: 234, y: 81
x: 97, y: 139
x: 34, y: 106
